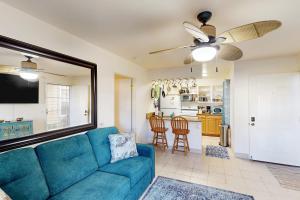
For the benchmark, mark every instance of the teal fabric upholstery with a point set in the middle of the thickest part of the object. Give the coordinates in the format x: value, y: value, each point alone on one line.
x: 99, y: 185
x: 100, y: 143
x: 76, y: 168
x: 134, y: 168
x: 148, y: 150
x: 21, y: 176
x: 67, y: 161
x: 139, y: 188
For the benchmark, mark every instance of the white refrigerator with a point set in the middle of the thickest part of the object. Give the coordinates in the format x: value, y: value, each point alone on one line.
x: 170, y: 104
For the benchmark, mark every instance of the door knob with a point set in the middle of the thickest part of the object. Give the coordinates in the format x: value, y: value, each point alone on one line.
x: 252, y: 124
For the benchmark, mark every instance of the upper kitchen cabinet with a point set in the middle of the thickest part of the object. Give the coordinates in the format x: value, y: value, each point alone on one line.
x: 212, y: 94
x: 217, y: 93
x: 204, y: 93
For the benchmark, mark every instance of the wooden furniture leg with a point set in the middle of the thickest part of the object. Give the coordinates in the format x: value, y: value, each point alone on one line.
x: 187, y: 141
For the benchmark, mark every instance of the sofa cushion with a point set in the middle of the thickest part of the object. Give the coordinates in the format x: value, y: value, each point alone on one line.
x: 21, y: 176
x: 99, y: 185
x: 67, y: 161
x: 134, y: 168
x: 138, y: 189
x: 100, y: 143
x: 122, y: 146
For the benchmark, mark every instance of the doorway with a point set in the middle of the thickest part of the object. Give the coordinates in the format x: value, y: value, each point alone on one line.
x: 274, y: 118
x: 123, y: 103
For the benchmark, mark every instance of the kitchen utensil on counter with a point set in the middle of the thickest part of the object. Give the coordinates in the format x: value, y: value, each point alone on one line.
x: 152, y: 93
x: 208, y: 109
x: 169, y: 88
x: 184, y: 90
x: 163, y: 94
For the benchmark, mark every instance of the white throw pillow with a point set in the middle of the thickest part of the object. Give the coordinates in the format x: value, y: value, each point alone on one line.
x: 3, y: 195
x: 122, y: 146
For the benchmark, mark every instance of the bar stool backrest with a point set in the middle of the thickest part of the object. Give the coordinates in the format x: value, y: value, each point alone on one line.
x: 157, y: 123
x: 179, y: 123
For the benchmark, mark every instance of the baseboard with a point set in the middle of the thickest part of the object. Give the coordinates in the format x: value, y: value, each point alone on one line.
x: 242, y: 156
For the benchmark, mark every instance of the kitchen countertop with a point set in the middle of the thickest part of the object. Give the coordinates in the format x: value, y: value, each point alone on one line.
x: 208, y: 114
x: 189, y: 118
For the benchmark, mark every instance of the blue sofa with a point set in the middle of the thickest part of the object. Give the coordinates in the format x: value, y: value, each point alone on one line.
x: 76, y: 168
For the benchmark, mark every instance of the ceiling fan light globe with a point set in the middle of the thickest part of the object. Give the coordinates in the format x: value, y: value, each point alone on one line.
x: 29, y: 76
x: 204, y: 54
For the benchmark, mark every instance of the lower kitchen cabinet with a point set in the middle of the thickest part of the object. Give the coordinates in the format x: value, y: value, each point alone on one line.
x: 211, y: 124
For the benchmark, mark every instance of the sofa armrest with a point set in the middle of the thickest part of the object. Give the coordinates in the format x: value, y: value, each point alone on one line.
x: 147, y: 150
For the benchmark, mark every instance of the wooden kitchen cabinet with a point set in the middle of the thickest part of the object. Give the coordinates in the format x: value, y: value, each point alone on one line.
x: 202, y: 118
x: 211, y: 124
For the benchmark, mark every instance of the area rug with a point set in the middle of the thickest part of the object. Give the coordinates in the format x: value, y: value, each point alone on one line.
x: 287, y: 176
x: 170, y: 189
x: 217, y: 151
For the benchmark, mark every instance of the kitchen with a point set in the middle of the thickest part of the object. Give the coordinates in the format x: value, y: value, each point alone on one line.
x: 204, y: 102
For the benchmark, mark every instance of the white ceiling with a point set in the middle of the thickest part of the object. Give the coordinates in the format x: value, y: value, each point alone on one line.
x: 133, y: 28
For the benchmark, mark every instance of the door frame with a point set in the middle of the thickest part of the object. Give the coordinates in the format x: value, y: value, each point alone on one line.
x: 120, y: 76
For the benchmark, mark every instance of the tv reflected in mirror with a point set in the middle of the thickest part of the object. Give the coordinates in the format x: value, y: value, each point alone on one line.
x: 15, y: 89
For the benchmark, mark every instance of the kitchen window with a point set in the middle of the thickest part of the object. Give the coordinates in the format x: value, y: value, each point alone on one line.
x: 58, y: 106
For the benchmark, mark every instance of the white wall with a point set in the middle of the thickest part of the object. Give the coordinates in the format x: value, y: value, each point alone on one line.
x: 21, y: 26
x: 204, y: 71
x: 242, y: 71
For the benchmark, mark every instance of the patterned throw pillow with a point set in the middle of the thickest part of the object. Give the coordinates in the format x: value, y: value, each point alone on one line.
x: 122, y: 146
x: 3, y: 195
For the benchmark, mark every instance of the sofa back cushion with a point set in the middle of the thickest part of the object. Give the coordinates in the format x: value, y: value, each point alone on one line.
x: 100, y: 143
x: 21, y: 176
x: 67, y: 161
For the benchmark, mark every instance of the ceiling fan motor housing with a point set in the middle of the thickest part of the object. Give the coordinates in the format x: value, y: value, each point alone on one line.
x: 209, y: 30
x: 28, y: 65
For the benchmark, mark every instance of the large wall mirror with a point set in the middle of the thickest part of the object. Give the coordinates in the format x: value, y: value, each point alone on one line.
x: 43, y: 94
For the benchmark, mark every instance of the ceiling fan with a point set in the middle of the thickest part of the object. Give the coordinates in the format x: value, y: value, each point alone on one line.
x: 207, y: 44
x: 28, y: 69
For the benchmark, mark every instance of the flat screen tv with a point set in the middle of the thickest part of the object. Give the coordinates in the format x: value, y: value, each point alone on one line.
x: 14, y: 89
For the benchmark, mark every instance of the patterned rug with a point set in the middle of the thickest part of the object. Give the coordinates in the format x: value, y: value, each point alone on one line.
x: 287, y: 176
x: 169, y: 189
x: 217, y: 151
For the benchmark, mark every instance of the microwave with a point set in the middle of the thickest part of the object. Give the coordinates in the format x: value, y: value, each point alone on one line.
x: 217, y: 110
x: 186, y: 97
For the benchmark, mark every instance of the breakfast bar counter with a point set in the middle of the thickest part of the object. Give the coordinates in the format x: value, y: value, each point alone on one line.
x: 194, y: 137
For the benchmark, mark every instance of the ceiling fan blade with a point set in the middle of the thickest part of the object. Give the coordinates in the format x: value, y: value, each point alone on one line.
x: 250, y: 31
x: 195, y: 32
x: 7, y: 69
x: 188, y: 60
x: 169, y: 49
x: 229, y: 52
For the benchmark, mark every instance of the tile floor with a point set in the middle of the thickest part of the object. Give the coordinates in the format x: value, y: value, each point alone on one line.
x: 239, y: 175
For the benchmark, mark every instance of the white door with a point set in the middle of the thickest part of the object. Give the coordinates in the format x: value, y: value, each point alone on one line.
x: 79, y: 105
x: 274, y: 120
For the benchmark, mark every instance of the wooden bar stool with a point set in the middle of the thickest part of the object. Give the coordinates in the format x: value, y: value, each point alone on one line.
x: 158, y: 128
x: 180, y: 128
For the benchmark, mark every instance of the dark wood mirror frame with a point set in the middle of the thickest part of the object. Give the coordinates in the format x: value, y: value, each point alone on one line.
x: 49, y: 135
